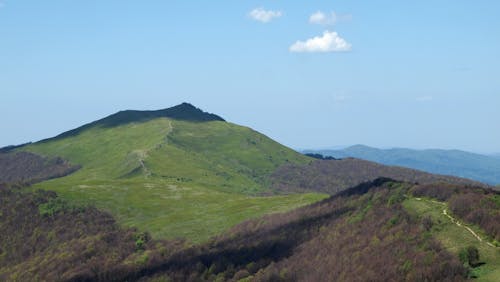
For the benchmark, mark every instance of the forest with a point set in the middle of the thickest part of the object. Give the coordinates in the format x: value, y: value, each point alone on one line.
x: 360, y: 234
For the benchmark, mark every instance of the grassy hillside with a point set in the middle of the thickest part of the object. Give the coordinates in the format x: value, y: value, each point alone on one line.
x: 457, y: 238
x: 377, y: 231
x: 361, y: 234
x: 460, y: 218
x: 450, y: 162
x: 172, y: 177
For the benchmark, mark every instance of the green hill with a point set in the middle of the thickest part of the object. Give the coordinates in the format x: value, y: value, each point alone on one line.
x: 450, y: 162
x: 178, y: 172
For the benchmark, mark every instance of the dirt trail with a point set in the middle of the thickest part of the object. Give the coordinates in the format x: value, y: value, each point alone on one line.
x: 457, y: 222
x: 143, y: 154
x: 454, y: 220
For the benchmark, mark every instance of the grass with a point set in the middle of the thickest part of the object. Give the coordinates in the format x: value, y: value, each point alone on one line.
x: 174, y: 178
x: 455, y: 238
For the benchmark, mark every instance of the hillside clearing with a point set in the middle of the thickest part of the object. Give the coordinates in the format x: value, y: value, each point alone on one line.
x: 455, y: 236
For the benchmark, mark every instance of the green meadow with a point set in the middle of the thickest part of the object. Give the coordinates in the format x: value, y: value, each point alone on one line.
x: 174, y: 178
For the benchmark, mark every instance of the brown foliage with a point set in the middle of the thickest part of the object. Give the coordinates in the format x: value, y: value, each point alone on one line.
x: 28, y: 168
x: 361, y: 235
x: 332, y: 176
x: 67, y: 244
x: 474, y: 205
x: 358, y: 235
x: 480, y: 209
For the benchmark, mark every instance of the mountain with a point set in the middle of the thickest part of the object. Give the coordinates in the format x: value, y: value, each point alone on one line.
x: 449, y: 162
x: 176, y: 172
x: 183, y: 195
x: 183, y: 173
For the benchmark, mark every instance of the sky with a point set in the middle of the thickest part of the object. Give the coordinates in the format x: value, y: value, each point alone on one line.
x: 309, y: 74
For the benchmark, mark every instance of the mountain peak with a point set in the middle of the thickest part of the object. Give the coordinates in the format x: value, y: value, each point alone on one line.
x: 184, y: 111
x: 185, y: 105
x: 360, y: 147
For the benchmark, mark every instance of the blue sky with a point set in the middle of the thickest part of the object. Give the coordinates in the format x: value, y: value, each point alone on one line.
x: 420, y: 74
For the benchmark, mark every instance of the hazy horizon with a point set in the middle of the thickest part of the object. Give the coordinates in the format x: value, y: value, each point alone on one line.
x: 309, y: 75
x: 342, y: 147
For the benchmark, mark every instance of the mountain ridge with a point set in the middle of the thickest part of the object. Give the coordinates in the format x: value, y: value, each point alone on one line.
x: 184, y: 111
x: 334, y: 176
x: 449, y: 162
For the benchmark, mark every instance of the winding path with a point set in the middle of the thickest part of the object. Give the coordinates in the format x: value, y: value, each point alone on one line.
x: 457, y: 222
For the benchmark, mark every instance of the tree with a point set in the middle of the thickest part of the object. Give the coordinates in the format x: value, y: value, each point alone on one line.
x: 473, y: 256
x: 470, y: 256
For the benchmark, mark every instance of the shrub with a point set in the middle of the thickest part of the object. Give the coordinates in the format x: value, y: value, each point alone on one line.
x: 141, y: 239
x: 52, y: 207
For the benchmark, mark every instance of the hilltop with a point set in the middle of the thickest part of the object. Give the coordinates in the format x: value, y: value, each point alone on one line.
x: 449, y: 162
x: 176, y: 172
x: 184, y: 111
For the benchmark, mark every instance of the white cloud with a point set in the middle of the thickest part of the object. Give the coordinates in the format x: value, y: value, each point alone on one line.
x: 264, y: 16
x: 327, y: 19
x: 329, y: 42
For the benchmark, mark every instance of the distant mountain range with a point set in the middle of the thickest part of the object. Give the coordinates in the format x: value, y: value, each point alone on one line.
x: 450, y: 162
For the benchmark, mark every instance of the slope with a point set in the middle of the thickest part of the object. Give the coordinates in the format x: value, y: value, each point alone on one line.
x: 26, y: 168
x: 450, y: 162
x: 371, y: 232
x: 186, y: 175
x: 332, y: 176
x: 365, y: 233
x: 460, y: 218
